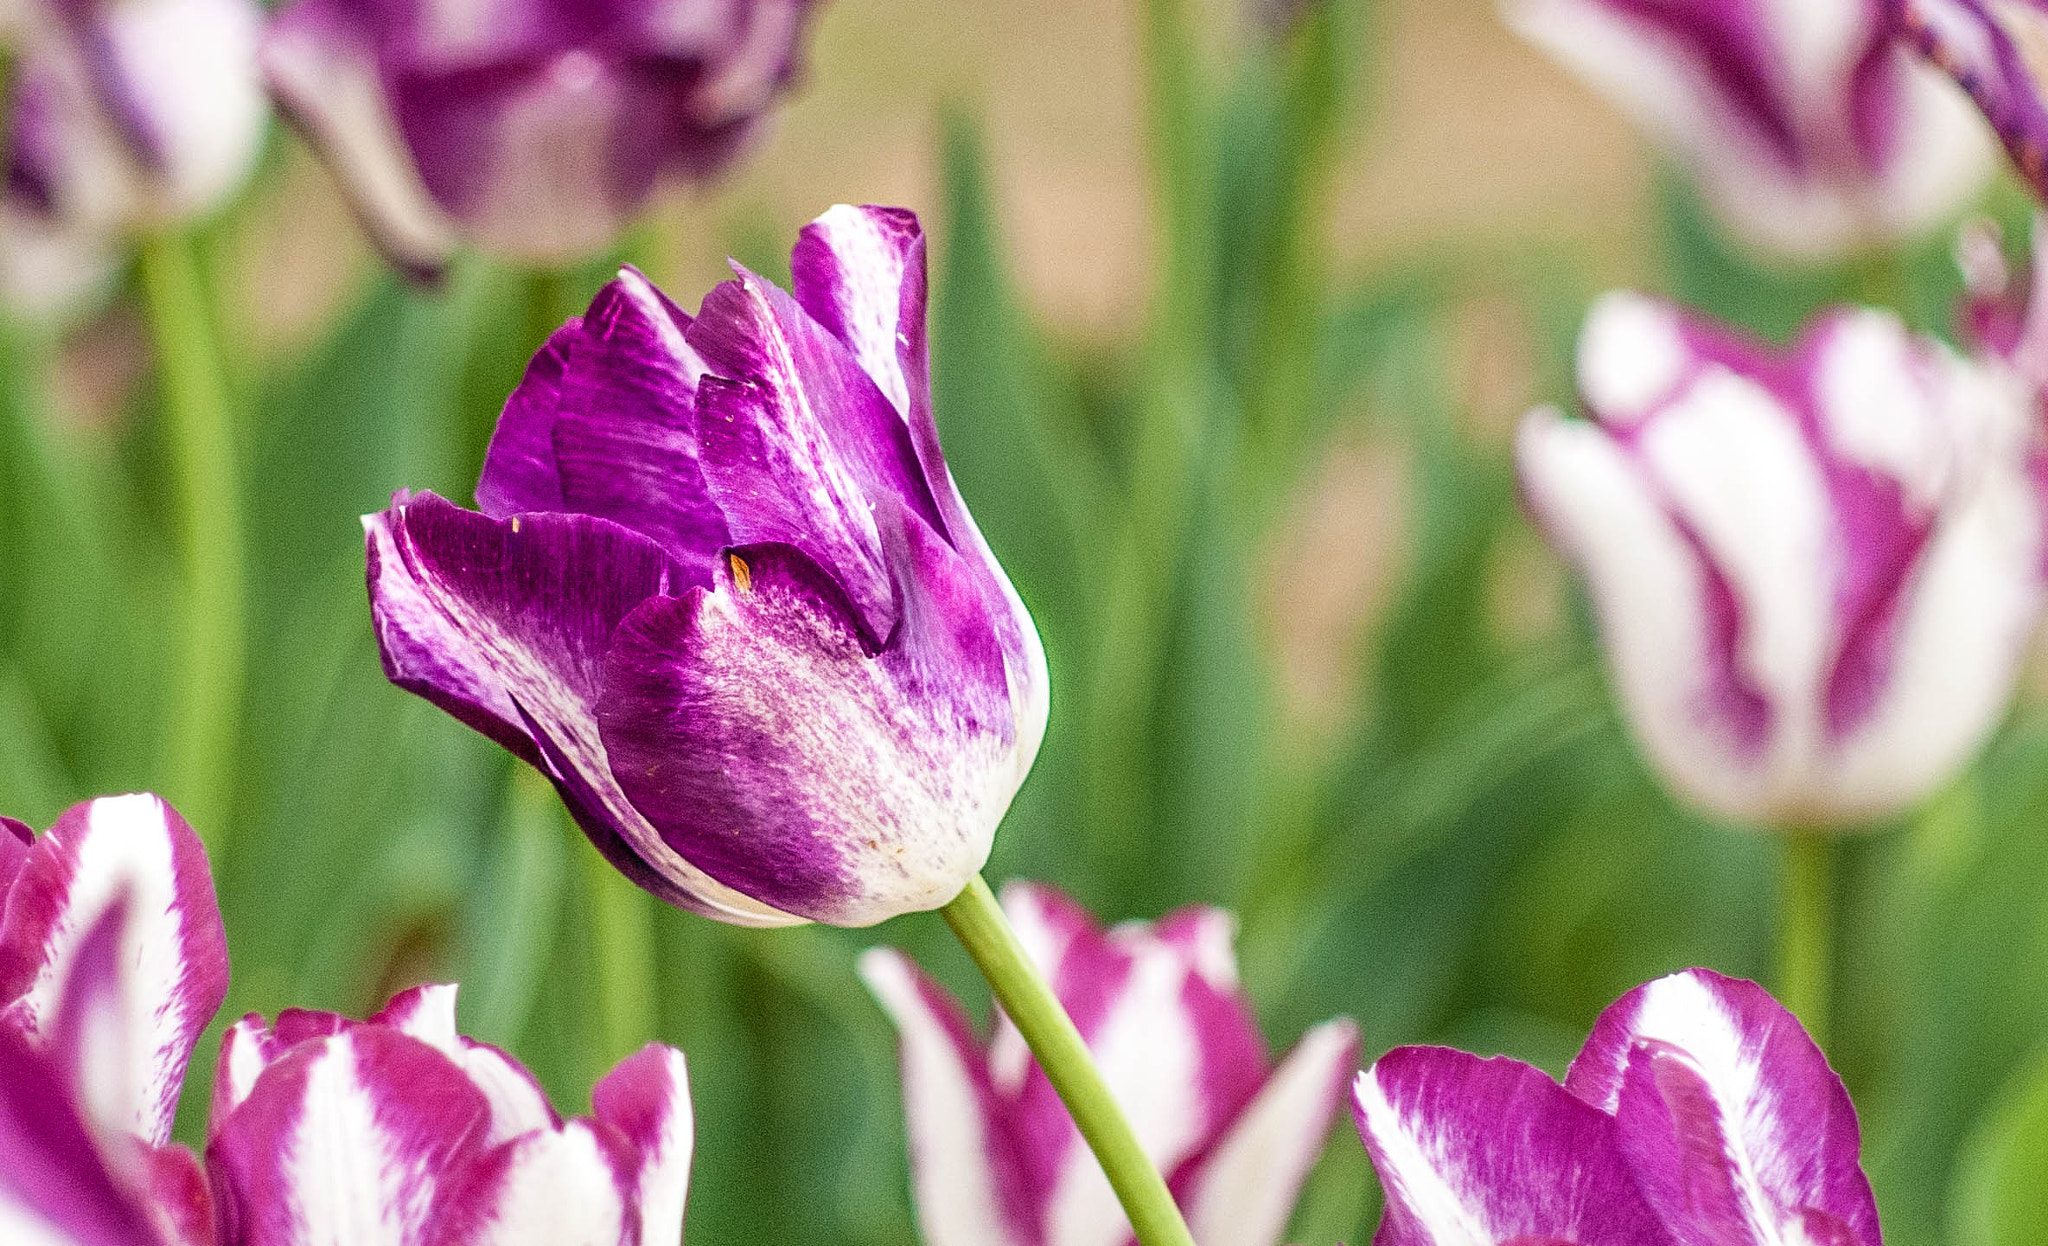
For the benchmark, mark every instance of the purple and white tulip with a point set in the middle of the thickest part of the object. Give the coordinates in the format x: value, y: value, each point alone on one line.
x: 1814, y: 572
x: 1997, y: 50
x: 996, y: 1160
x: 1699, y: 1113
x: 724, y: 593
x: 535, y: 129
x: 112, y: 961
x: 399, y: 1130
x: 1808, y: 131
x: 122, y: 115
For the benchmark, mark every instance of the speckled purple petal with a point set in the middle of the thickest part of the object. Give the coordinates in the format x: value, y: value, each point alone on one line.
x: 646, y: 1098
x: 518, y: 1104
x: 519, y: 614
x: 799, y: 446
x: 1699, y: 1056
x: 751, y: 727
x: 356, y: 1137
x: 1994, y: 51
x: 1472, y: 1150
x: 55, y: 1184
x: 134, y: 850
x: 15, y: 838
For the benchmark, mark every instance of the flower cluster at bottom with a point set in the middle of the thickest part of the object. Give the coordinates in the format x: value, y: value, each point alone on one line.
x: 394, y: 1130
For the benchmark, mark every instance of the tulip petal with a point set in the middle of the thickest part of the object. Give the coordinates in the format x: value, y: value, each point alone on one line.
x: 180, y: 1195
x: 173, y: 945
x: 15, y: 838
x: 246, y: 1049
x: 520, y: 472
x: 1727, y: 1058
x: 1993, y: 51
x: 799, y: 446
x: 553, y: 1187
x: 646, y: 1097
x: 752, y: 728
x: 518, y: 1104
x: 485, y: 617
x: 1243, y: 1191
x: 1474, y: 1152
x: 56, y: 1188
x: 322, y: 69
x: 350, y: 1138
x: 972, y: 1180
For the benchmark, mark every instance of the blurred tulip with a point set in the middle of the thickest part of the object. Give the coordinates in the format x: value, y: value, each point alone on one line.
x: 123, y: 115
x: 1808, y: 131
x: 1814, y: 574
x: 324, y: 1127
x: 1698, y: 1112
x: 534, y: 128
x: 1993, y: 49
x: 112, y: 961
x: 996, y: 1160
x: 725, y: 594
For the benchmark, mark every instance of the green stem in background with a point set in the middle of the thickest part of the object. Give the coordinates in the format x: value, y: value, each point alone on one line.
x: 978, y: 921
x: 1807, y: 931
x: 199, y: 432
x: 622, y: 957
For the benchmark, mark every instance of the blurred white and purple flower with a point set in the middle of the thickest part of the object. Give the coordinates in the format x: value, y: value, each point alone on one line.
x: 1699, y: 1111
x: 535, y: 129
x: 1809, y: 131
x: 122, y: 115
x: 1997, y: 51
x: 1816, y: 572
x: 997, y: 1161
x: 724, y: 593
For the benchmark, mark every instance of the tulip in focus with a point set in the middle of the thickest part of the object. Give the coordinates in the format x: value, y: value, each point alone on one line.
x: 996, y: 1160
x: 1994, y: 50
x: 535, y: 129
x: 1699, y: 1111
x: 1814, y: 572
x: 724, y: 594
x: 113, y: 960
x: 1807, y: 130
x: 122, y: 115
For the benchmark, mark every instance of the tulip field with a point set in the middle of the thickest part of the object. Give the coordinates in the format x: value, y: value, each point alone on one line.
x: 857, y: 622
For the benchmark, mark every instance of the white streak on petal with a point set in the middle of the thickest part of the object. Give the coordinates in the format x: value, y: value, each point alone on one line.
x: 347, y: 1179
x: 869, y: 296
x: 1631, y: 355
x: 558, y: 1189
x: 1876, y: 408
x: 1413, y: 1164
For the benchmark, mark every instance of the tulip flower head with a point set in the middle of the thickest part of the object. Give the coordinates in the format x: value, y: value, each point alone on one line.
x: 123, y: 114
x: 399, y: 1130
x: 1994, y: 50
x: 1814, y: 573
x: 724, y: 593
x: 1806, y: 129
x: 1698, y: 1111
x: 995, y: 1158
x: 535, y: 129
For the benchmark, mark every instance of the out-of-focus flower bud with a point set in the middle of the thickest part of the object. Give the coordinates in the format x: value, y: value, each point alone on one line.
x: 1808, y: 130
x: 123, y: 115
x: 534, y: 128
x: 995, y: 1158
x: 1815, y: 573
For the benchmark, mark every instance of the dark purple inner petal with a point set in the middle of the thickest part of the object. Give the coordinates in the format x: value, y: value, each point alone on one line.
x: 33, y: 142
x: 1676, y: 1142
x: 1877, y: 87
x: 1726, y: 38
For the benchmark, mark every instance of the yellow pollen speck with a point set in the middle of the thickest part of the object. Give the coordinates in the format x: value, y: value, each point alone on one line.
x: 515, y: 523
x: 741, y: 576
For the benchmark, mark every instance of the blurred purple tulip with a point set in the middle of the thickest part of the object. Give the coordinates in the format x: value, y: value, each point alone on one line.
x: 122, y: 115
x: 1815, y: 573
x: 1997, y: 50
x: 535, y: 129
x: 1699, y: 1113
x: 996, y: 1160
x: 724, y: 593
x: 1806, y: 128
x: 400, y: 1130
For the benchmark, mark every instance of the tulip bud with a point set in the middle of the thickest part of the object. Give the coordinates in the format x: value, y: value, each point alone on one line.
x: 535, y: 129
x: 997, y: 1161
x: 1807, y: 130
x: 1814, y: 573
x: 724, y: 593
x: 137, y: 114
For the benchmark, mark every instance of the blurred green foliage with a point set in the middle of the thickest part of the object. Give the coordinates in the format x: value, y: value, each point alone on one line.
x: 1478, y: 858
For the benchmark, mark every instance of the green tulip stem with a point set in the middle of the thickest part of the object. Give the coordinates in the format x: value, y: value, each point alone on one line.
x: 978, y: 921
x: 622, y: 952
x: 1806, y: 935
x: 199, y: 435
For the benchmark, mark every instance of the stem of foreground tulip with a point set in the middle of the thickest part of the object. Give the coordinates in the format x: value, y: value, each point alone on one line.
x: 199, y: 432
x: 978, y: 922
x: 1806, y: 936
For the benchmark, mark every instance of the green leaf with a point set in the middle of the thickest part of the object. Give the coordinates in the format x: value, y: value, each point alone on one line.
x: 2001, y: 1190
